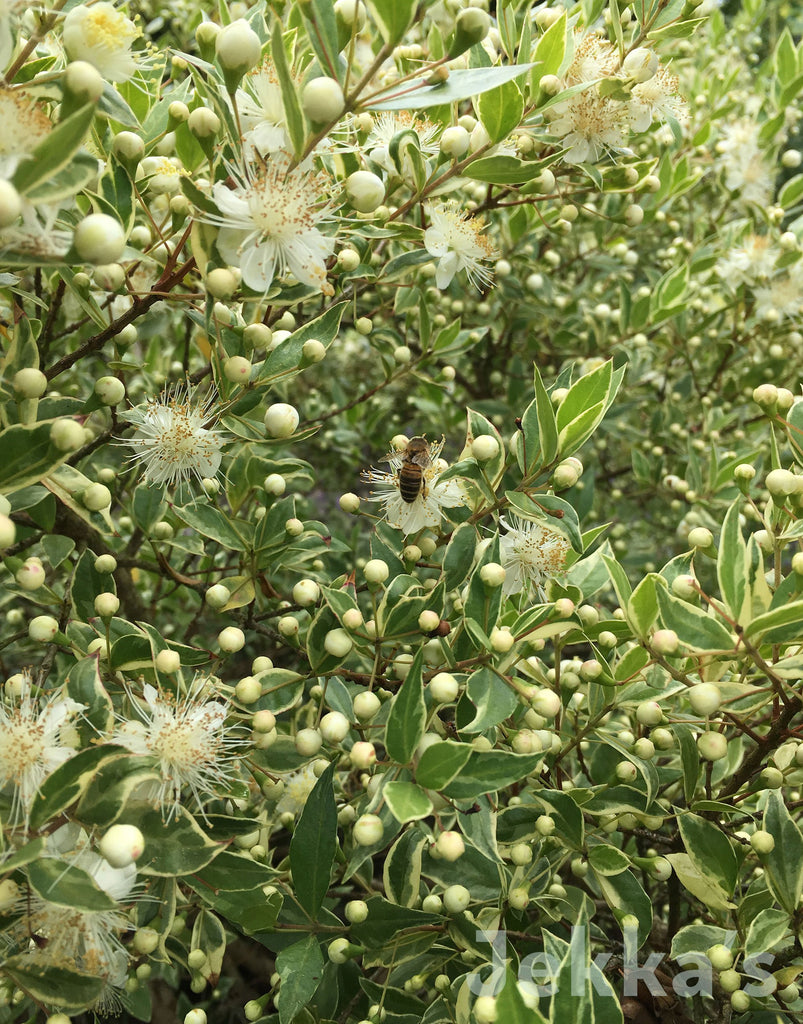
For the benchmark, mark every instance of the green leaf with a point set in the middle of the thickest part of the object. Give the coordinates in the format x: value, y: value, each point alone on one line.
x: 731, y: 562
x: 502, y: 169
x: 624, y: 895
x: 707, y: 890
x: 540, y: 427
x: 285, y: 358
x: 441, y: 762
x: 211, y: 522
x: 178, y: 847
x: 619, y: 579
x: 293, y: 117
x: 490, y: 770
x: 551, y: 47
x: 783, y: 867
x: 500, y: 110
x: 69, y: 781
x: 300, y: 968
x: 777, y: 626
x: 689, y: 759
x: 401, y: 871
x: 393, y: 18
x: 54, y: 986
x: 28, y: 455
x: 55, y: 151
x: 694, y: 627
x: 460, y: 85
x: 321, y: 25
x: 313, y: 845
x: 510, y: 1006
x: 607, y: 860
x: 406, y: 801
x: 709, y: 849
x: 67, y: 885
x: 492, y: 697
x: 642, y: 607
x: 407, y: 717
x: 767, y: 930
x: 459, y: 555
x: 385, y: 920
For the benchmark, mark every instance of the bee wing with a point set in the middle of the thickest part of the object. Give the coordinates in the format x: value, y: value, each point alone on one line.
x: 422, y: 459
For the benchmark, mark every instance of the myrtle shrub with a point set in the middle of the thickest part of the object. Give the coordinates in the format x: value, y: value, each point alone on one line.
x: 401, y: 498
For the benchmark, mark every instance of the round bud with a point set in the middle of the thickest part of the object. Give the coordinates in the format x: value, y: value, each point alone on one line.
x: 366, y: 705
x: 502, y: 639
x: 167, y: 661
x: 217, y: 596
x: 275, y: 484
x: 306, y: 593
x: 428, y: 621
x: 30, y: 383
x: 231, y: 639
x: 492, y: 574
x: 203, y: 122
x: 248, y: 690
x: 281, y: 420
x: 781, y: 483
x: 313, y: 351
x: 238, y: 47
x: 237, y: 369
x: 665, y: 641
x: 368, y: 830
x: 626, y: 771
x: 338, y: 643
x: 110, y: 390
x: 640, y: 64
x: 196, y: 1015
x: 644, y: 749
x: 455, y: 141
x: 288, y: 626
x: 10, y: 204
x: 366, y: 191
x: 772, y: 777
x: 356, y: 911
x: 484, y: 447
x: 308, y: 742
x: 349, y: 502
x: 444, y: 688
x: 730, y: 980
x: 362, y: 754
x: 96, y: 497
x: 338, y: 950
x: 9, y: 894
x: 713, y: 746
x: 8, y: 533
x: 43, y: 628
x: 323, y: 101
x: 107, y: 605
x: 705, y: 698
x: 456, y: 899
x: 376, y: 571
x: 334, y: 727
x: 67, y: 435
x: 789, y: 994
x: 31, y: 574
x: 121, y: 845
x: 700, y: 537
x: 450, y: 846
x: 263, y: 721
x: 762, y: 842
x: 649, y: 713
x: 128, y: 146
x: 99, y: 238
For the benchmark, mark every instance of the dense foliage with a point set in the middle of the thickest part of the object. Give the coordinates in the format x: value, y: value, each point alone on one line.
x: 401, y: 492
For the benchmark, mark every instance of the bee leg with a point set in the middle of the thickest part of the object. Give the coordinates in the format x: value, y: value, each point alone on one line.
x: 424, y: 489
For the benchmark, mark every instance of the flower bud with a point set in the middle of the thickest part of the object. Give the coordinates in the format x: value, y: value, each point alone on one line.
x: 30, y: 383
x: 99, y: 238
x: 455, y: 141
x: 471, y: 27
x: 713, y: 746
x: 43, y: 628
x: 334, y: 727
x: 237, y: 47
x: 107, y: 605
x: 121, y: 845
x: 167, y: 661
x: 110, y: 390
x: 368, y: 830
x: 323, y: 101
x: 338, y: 643
x: 281, y: 420
x: 376, y: 571
x: 96, y: 497
x: 10, y: 204
x: 640, y: 64
x: 231, y: 639
x: 8, y: 533
x: 308, y: 742
x: 484, y: 447
x: 492, y: 574
x: 366, y: 191
x: 67, y: 435
x: 362, y: 755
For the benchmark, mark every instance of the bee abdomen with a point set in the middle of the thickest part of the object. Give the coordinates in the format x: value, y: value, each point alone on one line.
x: 410, y: 478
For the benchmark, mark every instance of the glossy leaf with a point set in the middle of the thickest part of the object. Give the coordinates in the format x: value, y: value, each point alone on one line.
x: 313, y: 845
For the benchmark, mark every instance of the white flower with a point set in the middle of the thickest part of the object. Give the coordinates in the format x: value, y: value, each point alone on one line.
x: 458, y: 242
x: 531, y: 552
x: 262, y: 111
x: 25, y: 124
x: 188, y: 739
x: 102, y: 36
x: 657, y: 99
x: 30, y: 744
x: 297, y: 788
x: 171, y: 441
x: 593, y: 58
x: 36, y: 236
x: 388, y: 124
x: 86, y: 940
x: 587, y: 125
x: 782, y: 298
x: 426, y: 510
x: 269, y: 228
x: 741, y: 159
x: 753, y: 260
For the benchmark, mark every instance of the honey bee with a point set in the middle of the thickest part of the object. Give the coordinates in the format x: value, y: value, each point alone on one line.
x: 415, y: 458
